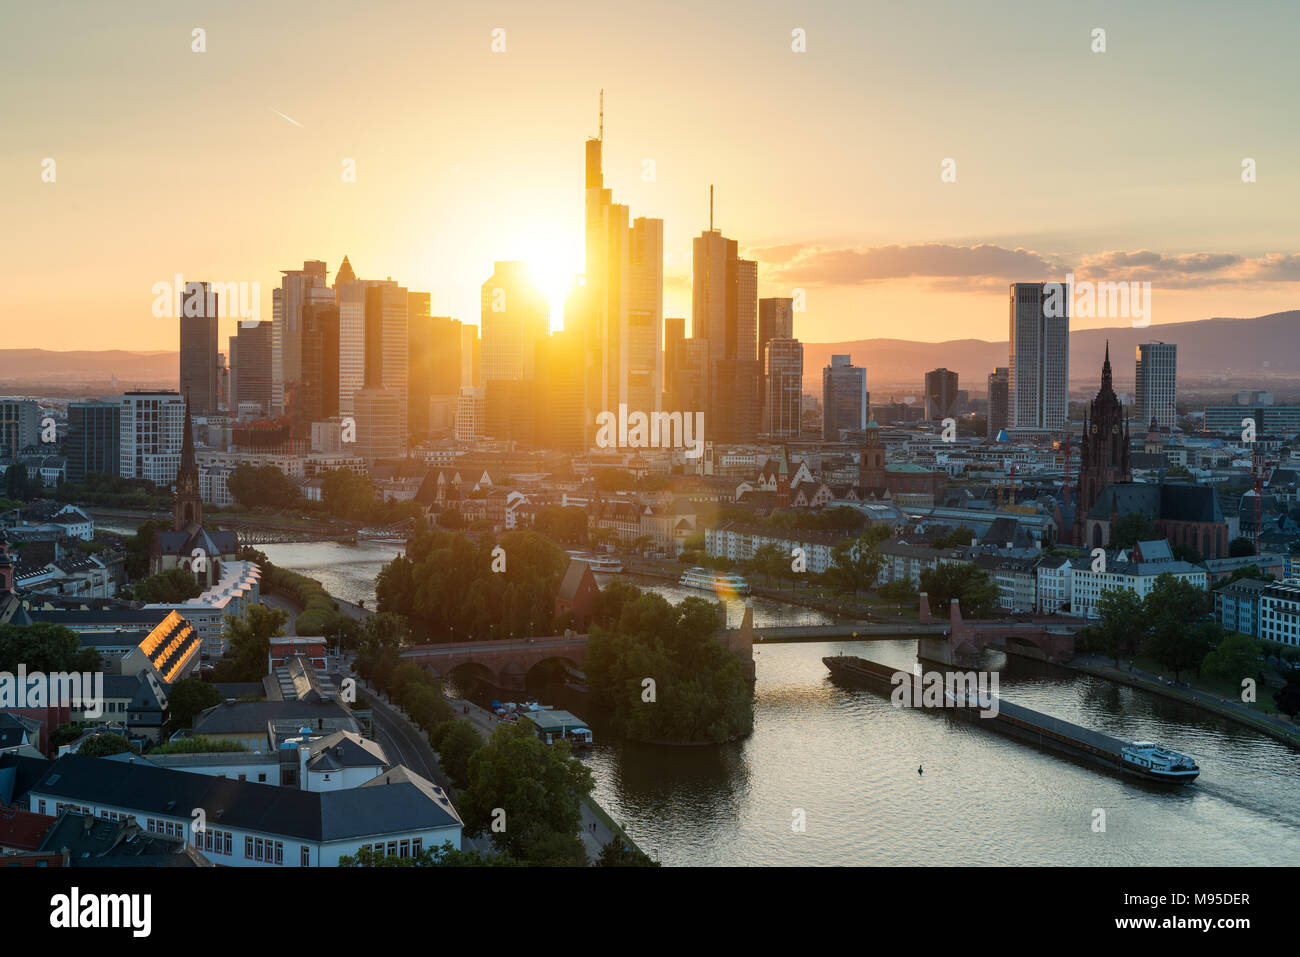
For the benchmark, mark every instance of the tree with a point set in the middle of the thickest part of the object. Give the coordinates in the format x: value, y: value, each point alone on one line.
x: 1240, y: 547
x: 45, y: 647
x: 104, y: 745
x: 444, y: 856
x: 265, y: 485
x: 1130, y: 529
x: 169, y: 587
x: 250, y: 637
x: 188, y: 698
x: 961, y: 535
x: 1186, y: 553
x: 455, y: 747
x: 1121, y: 624
x: 140, y: 546
x: 1178, y: 639
x: 700, y: 690
x: 539, y: 787
x: 1246, y: 571
x: 964, y: 581
x: 607, y: 606
x: 1287, y: 698
x: 615, y: 853
x: 1235, y: 658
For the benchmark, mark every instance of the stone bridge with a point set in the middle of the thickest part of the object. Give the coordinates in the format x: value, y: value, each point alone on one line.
x: 505, y: 663
x: 1051, y: 635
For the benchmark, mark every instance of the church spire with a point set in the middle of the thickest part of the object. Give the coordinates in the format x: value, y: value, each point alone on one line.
x: 1105, y: 371
x: 187, y: 504
x: 187, y: 440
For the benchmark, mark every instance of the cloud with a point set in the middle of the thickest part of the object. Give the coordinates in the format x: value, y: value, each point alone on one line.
x: 953, y: 268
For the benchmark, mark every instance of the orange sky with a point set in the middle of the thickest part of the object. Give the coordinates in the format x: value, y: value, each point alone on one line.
x: 226, y: 164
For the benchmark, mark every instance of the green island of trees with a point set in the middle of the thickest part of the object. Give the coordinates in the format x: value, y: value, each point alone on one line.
x: 659, y: 671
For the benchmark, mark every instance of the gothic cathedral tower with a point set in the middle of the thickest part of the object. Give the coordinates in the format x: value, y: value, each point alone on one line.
x: 187, y: 507
x: 1104, y: 452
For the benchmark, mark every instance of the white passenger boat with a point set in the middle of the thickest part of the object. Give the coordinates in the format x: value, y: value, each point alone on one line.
x: 721, y: 583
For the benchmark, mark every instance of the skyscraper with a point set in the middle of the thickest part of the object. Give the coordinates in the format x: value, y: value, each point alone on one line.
x: 152, y: 423
x: 618, y: 309
x: 250, y: 367
x: 1039, y: 360
x: 940, y: 393
x: 387, y: 356
x: 198, y: 352
x: 674, y: 336
x: 515, y: 318
x: 725, y: 313
x: 782, y: 387
x: 997, y: 417
x: 775, y: 321
x: 435, y: 373
x: 94, y: 439
x: 1156, y: 392
x: 844, y: 397
x: 318, y: 397
x: 298, y: 287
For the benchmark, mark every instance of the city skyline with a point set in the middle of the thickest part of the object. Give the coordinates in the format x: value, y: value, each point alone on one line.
x: 879, y: 243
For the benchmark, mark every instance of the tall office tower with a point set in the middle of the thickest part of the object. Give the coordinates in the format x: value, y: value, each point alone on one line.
x: 782, y: 387
x: 19, y: 425
x: 691, y: 377
x: 418, y: 331
x: 619, y: 308
x: 250, y: 366
x: 470, y: 414
x: 318, y: 398
x: 844, y: 397
x: 380, y: 415
x: 388, y: 352
x: 1039, y: 362
x: 351, y: 298
x: 152, y: 423
x: 223, y: 382
x: 297, y: 288
x: 94, y: 439
x: 471, y: 357
x: 560, y: 392
x: 1156, y: 395
x: 516, y: 316
x: 940, y: 394
x: 674, y: 336
x: 198, y: 336
x: 775, y: 321
x: 725, y: 312
x: 998, y: 402
x: 436, y: 367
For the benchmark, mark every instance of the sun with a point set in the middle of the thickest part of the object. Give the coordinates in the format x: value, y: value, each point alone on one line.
x: 554, y: 269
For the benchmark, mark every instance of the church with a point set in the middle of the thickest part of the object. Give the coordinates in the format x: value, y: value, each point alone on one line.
x: 1183, y: 513
x: 188, y: 544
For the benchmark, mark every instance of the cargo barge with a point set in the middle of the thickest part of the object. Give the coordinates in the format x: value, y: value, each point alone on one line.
x: 1143, y: 759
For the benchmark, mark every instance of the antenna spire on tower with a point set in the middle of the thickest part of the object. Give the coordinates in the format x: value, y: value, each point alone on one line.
x: 710, y: 207
x: 601, y: 137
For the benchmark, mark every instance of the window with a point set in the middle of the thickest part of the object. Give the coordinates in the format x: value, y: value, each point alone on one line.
x: 257, y: 849
x: 415, y: 845
x: 41, y: 808
x: 406, y: 848
x: 261, y: 778
x: 248, y: 848
x: 279, y: 852
x: 306, y: 857
x: 392, y: 848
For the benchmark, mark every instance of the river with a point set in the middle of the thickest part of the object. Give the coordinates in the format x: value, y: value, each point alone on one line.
x: 848, y: 760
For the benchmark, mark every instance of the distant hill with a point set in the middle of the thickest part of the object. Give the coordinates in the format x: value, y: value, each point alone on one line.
x: 35, y: 367
x: 1244, y: 349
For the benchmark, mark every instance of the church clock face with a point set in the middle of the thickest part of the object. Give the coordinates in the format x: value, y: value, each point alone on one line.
x: 1114, y: 430
x: 1094, y: 429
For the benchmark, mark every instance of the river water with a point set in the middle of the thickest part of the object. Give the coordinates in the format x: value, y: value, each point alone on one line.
x: 848, y: 760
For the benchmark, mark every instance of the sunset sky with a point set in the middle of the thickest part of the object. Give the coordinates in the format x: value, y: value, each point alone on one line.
x: 226, y: 165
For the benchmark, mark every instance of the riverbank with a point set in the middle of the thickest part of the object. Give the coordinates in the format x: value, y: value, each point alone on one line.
x: 1275, y: 728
